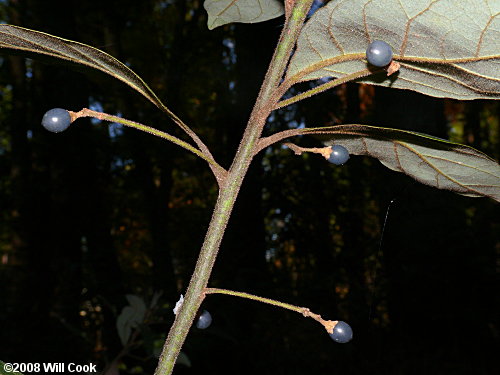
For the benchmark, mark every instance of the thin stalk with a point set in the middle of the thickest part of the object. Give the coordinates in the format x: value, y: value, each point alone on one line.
x: 328, y: 324
x: 276, y: 137
x: 85, y: 112
x: 187, y: 130
x: 230, y: 189
x: 269, y: 301
x: 320, y: 88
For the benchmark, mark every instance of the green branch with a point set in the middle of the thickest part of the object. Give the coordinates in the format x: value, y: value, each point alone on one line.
x: 230, y: 188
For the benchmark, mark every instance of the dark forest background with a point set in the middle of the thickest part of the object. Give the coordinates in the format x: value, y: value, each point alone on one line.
x: 98, y: 212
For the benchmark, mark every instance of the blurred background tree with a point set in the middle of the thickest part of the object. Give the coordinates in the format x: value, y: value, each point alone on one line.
x: 100, y: 211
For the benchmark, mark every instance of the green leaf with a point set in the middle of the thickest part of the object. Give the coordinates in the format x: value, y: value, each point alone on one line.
x: 221, y: 12
x: 428, y: 159
x: 124, y: 324
x: 446, y: 48
x: 137, y: 304
x: 18, y: 38
x: 130, y: 317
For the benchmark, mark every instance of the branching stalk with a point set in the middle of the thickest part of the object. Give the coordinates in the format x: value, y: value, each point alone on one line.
x: 230, y: 188
x: 276, y: 137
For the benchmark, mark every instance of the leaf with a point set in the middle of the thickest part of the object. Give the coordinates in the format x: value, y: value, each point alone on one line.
x: 130, y: 317
x: 446, y: 48
x: 429, y: 160
x: 124, y: 324
x: 137, y: 304
x: 18, y: 38
x: 221, y: 12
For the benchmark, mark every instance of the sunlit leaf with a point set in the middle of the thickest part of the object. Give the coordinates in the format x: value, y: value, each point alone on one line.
x: 429, y: 160
x: 446, y: 48
x: 18, y: 38
x: 221, y: 12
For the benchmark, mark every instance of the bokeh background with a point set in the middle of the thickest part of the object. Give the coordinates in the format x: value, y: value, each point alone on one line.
x: 100, y: 212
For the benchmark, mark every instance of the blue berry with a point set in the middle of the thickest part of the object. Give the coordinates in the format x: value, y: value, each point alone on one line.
x: 204, y: 320
x: 342, y: 333
x: 339, y: 155
x: 379, y: 53
x: 56, y: 120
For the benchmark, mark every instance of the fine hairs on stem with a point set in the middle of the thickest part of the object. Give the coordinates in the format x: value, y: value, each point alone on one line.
x: 218, y: 171
x: 328, y: 324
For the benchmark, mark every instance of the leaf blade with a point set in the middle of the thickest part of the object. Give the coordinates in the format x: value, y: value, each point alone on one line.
x: 429, y: 160
x: 130, y: 317
x: 19, y: 38
x: 446, y: 48
x: 222, y: 12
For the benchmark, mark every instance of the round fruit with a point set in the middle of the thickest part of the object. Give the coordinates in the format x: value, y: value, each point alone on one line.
x: 204, y: 320
x: 56, y: 120
x: 339, y: 155
x: 342, y: 333
x: 379, y: 53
